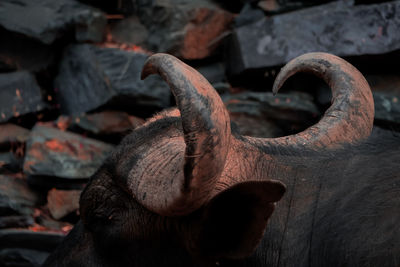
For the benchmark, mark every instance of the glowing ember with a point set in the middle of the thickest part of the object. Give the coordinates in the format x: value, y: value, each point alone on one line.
x: 115, y: 16
x: 40, y: 116
x: 110, y: 43
x: 55, y: 145
x: 40, y: 228
x: 20, y: 150
x: 18, y: 93
x: 63, y: 123
x: 37, y: 228
x: 67, y: 228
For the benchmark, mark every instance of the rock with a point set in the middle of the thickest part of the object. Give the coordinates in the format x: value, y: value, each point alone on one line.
x: 53, y: 152
x: 255, y: 126
x: 16, y: 197
x: 323, y: 95
x: 45, y: 182
x: 48, y: 20
x: 10, y: 162
x: 45, y: 221
x: 214, y: 73
x: 62, y: 202
x: 29, y: 239
x: 108, y: 126
x: 248, y: 15
x: 19, y: 94
x: 16, y: 221
x: 185, y: 28
x: 279, y: 6
x: 335, y: 28
x: 360, y: 2
x: 20, y: 257
x: 269, y: 5
x: 233, y: 5
x: 103, y: 123
x: 290, y: 113
x: 18, y: 52
x: 387, y: 108
x: 129, y: 31
x: 92, y: 76
x: 293, y: 102
x: 386, y: 92
x: 222, y: 87
x: 113, y: 7
x: 11, y: 133
x: 384, y: 83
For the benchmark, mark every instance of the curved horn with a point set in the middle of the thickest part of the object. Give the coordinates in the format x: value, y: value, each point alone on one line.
x: 350, y: 117
x: 206, y: 128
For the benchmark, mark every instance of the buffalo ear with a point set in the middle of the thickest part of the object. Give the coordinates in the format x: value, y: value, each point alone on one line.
x: 234, y: 221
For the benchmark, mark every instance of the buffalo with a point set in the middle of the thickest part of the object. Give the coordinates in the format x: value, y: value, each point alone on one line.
x: 186, y: 189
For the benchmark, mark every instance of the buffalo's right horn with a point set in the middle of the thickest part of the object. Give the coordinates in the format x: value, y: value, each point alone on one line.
x: 350, y: 117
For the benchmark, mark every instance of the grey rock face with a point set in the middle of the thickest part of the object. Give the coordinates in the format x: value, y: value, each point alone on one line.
x: 102, y: 123
x: 53, y: 152
x: 387, y: 107
x: 19, y: 94
x: 16, y: 221
x: 130, y: 31
x: 188, y: 29
x: 27, y: 239
x: 270, y: 115
x: 335, y: 28
x: 278, y: 6
x: 91, y: 76
x: 11, y: 133
x: 15, y: 196
x: 18, y: 52
x: 22, y: 257
x: 62, y: 202
x: 47, y: 20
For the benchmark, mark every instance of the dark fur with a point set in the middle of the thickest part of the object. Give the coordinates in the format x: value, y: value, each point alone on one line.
x: 341, y: 209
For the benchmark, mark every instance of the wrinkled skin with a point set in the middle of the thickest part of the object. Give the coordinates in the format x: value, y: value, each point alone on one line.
x: 341, y: 208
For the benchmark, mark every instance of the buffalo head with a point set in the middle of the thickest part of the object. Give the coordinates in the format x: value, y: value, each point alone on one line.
x: 185, y: 189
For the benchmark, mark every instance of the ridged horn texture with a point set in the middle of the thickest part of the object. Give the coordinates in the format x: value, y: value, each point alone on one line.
x: 206, y: 128
x: 350, y: 117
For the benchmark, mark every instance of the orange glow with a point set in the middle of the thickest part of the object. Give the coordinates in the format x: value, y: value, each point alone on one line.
x: 115, y: 16
x: 110, y: 43
x: 37, y: 228
x: 72, y: 147
x: 18, y: 93
x: 66, y: 228
x: 63, y: 123
x: 55, y: 145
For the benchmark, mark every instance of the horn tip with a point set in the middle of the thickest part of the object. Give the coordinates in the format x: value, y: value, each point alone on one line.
x: 153, y: 63
x: 276, y: 87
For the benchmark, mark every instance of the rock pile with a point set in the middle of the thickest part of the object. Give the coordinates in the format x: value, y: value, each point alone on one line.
x: 70, y: 86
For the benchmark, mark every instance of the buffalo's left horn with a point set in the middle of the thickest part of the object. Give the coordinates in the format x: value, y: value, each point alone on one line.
x: 206, y: 128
